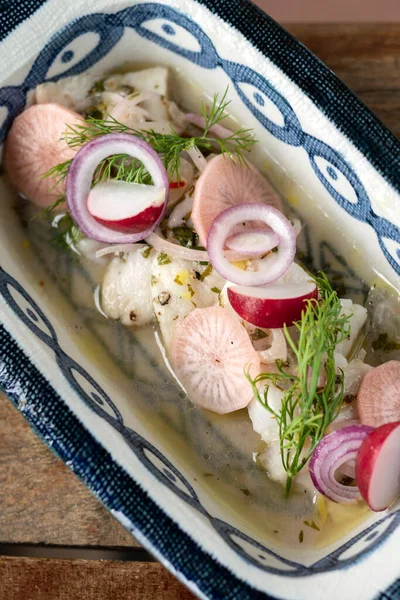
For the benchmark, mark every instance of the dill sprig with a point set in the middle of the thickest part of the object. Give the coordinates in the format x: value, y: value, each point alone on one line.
x: 307, y: 410
x: 171, y: 145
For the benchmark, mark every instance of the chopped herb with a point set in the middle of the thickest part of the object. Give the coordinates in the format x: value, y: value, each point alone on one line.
x: 186, y: 236
x: 163, y: 259
x: 258, y: 334
x: 215, y: 290
x: 146, y: 252
x: 191, y: 290
x: 97, y: 88
x: 178, y: 281
x: 206, y: 272
x: 153, y: 280
x: 245, y: 491
x: 197, y: 275
x: 194, y: 303
x: 383, y: 342
x: 93, y: 112
x: 208, y: 475
x: 301, y: 536
x: 312, y: 524
x: 306, y: 410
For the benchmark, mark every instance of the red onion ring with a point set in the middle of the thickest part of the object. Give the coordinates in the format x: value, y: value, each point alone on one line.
x: 255, y: 242
x: 270, y: 268
x: 80, y: 175
x: 333, y: 451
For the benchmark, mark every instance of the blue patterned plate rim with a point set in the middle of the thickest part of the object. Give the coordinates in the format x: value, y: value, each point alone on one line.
x: 53, y: 420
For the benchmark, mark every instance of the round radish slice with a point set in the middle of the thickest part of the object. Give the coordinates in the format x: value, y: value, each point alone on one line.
x: 126, y: 207
x: 34, y: 146
x: 378, y: 399
x: 209, y: 352
x: 253, y: 242
x: 223, y: 184
x: 378, y: 466
x: 272, y: 306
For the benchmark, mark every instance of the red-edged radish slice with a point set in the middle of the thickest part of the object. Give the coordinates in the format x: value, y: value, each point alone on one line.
x: 378, y: 399
x: 378, y: 466
x: 209, y: 352
x: 274, y: 305
x: 333, y: 451
x: 79, y: 183
x: 223, y: 184
x: 253, y: 243
x: 34, y: 146
x: 126, y: 207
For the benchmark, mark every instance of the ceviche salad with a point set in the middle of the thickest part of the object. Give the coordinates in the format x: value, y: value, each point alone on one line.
x: 197, y: 243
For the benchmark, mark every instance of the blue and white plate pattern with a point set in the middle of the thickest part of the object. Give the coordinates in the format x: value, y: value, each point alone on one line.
x: 310, y: 124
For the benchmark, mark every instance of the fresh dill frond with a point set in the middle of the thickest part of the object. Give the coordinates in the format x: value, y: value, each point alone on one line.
x: 308, y: 408
x: 171, y: 145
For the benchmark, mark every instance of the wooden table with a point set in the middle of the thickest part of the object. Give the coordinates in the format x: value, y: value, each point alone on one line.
x: 56, y: 541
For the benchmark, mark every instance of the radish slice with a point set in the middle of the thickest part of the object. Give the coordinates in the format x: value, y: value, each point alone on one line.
x: 253, y: 242
x: 333, y: 451
x: 209, y: 352
x: 223, y: 184
x: 126, y: 207
x: 80, y: 175
x: 274, y: 305
x: 34, y: 146
x: 269, y: 269
x: 378, y: 399
x: 378, y: 466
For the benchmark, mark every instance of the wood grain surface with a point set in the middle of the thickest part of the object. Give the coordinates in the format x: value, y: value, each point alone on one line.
x: 40, y: 579
x: 41, y: 502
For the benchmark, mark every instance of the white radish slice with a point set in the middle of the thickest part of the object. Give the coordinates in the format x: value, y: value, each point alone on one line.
x: 126, y: 207
x: 378, y: 399
x: 253, y: 242
x: 209, y: 352
x: 271, y: 306
x: 378, y: 466
x: 224, y: 184
x: 34, y: 146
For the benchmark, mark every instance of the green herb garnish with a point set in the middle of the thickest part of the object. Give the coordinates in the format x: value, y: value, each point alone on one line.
x: 215, y: 290
x: 207, y: 271
x: 163, y: 259
x: 178, y: 280
x: 65, y: 233
x: 146, y: 252
x: 171, y: 145
x: 186, y: 236
x: 307, y: 410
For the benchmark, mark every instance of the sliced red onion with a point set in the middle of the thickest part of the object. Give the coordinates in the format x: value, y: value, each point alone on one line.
x: 80, y: 175
x: 181, y: 210
x: 334, y: 451
x: 197, y: 158
x: 277, y: 349
x: 270, y: 268
x: 181, y: 252
x: 218, y: 130
x: 116, y: 248
x: 174, y: 251
x: 255, y: 242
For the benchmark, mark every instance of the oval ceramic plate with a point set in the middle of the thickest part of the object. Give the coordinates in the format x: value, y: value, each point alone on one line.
x: 96, y: 405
